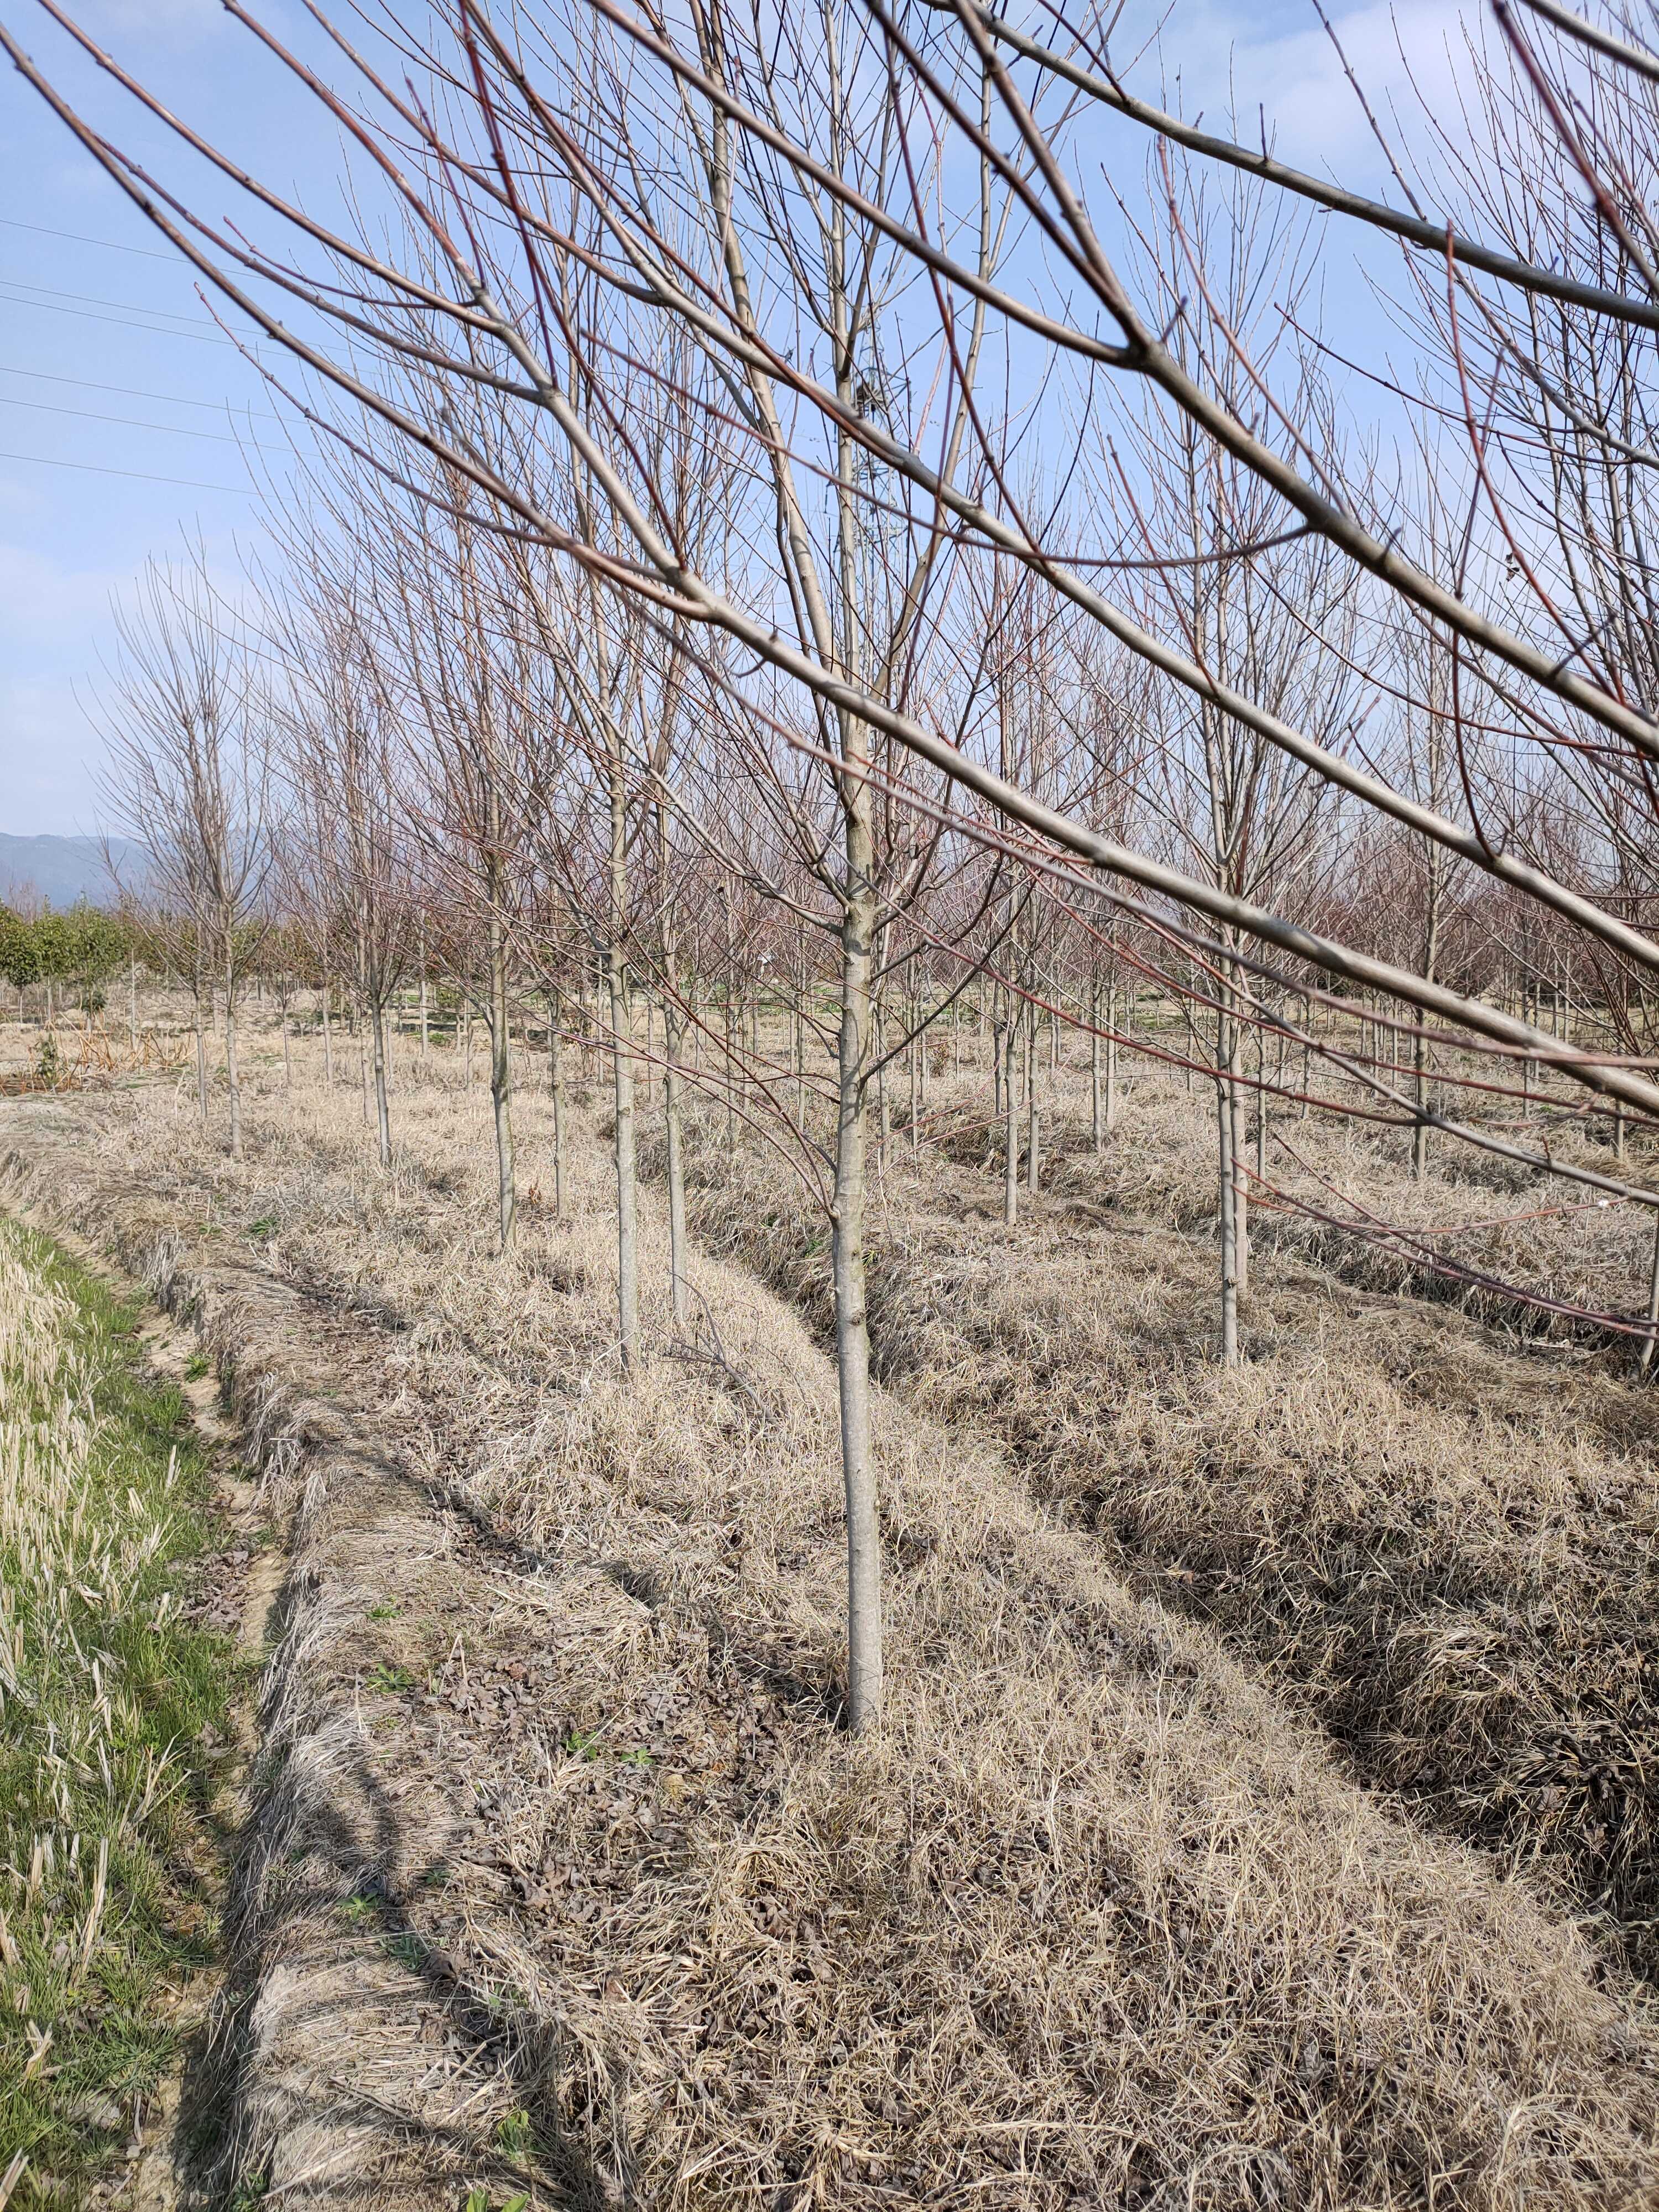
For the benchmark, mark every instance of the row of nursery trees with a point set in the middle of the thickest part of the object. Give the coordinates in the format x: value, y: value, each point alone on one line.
x: 853, y: 513
x: 69, y: 954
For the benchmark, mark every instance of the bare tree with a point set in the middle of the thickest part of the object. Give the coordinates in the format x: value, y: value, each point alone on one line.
x: 189, y: 733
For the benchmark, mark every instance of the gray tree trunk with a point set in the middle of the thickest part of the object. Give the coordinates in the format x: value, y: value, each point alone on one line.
x: 556, y: 1082
x: 622, y: 1060
x: 863, y: 1636
x: 231, y: 1077
x: 671, y: 1111
x: 1111, y: 1056
x: 1010, y: 1125
x: 1097, y: 1127
x: 501, y: 1074
x: 382, y: 1100
x: 1033, y: 1137
x: 201, y: 1055
x: 1646, y: 1360
x: 1228, y: 1191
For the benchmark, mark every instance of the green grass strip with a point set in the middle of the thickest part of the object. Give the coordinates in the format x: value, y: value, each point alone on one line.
x: 106, y: 1863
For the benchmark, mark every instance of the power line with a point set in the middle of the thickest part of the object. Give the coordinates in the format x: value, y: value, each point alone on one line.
x: 95, y: 300
x: 126, y: 322
x: 80, y: 237
x: 92, y: 468
x: 132, y: 422
x: 131, y: 391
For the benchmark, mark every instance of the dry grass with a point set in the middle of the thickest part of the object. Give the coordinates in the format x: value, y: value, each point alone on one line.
x: 1448, y: 1546
x: 1093, y: 1921
x: 1492, y: 1216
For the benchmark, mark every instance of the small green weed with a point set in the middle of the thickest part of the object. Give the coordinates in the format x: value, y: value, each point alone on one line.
x: 515, y: 2136
x: 390, y: 1680
x: 387, y: 1610
x: 584, y: 1744
x: 266, y: 1225
x: 197, y: 1366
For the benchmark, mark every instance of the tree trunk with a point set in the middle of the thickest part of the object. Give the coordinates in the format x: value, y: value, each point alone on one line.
x: 1646, y: 1360
x: 915, y: 1091
x: 1111, y: 1055
x: 1261, y: 1107
x: 1097, y: 1130
x: 556, y: 1084
x: 365, y: 1052
x: 884, y: 1101
x: 1228, y: 1189
x: 672, y: 1029
x: 382, y: 1105
x: 1419, y: 1041
x: 1229, y: 1264
x: 501, y: 1056
x: 1033, y: 1141
x: 671, y: 1108
x: 731, y: 1035
x: 232, y: 1078
x: 1235, y: 1092
x: 628, y: 1257
x: 863, y: 1636
x: 201, y: 1054
x: 1009, y: 1124
x: 800, y: 1030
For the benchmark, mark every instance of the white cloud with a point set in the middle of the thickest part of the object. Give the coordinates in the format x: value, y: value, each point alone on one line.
x: 1412, y: 54
x: 1237, y: 59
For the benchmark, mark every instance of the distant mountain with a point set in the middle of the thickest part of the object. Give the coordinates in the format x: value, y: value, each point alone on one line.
x: 65, y: 869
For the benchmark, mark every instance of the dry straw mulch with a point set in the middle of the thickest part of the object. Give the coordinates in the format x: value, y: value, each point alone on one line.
x: 1445, y: 1541
x: 1093, y: 1921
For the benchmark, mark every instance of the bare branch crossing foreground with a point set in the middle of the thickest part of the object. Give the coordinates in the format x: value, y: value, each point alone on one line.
x: 855, y: 520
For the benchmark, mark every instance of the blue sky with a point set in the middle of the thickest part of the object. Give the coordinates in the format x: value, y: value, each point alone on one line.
x: 97, y: 322
x: 105, y: 324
